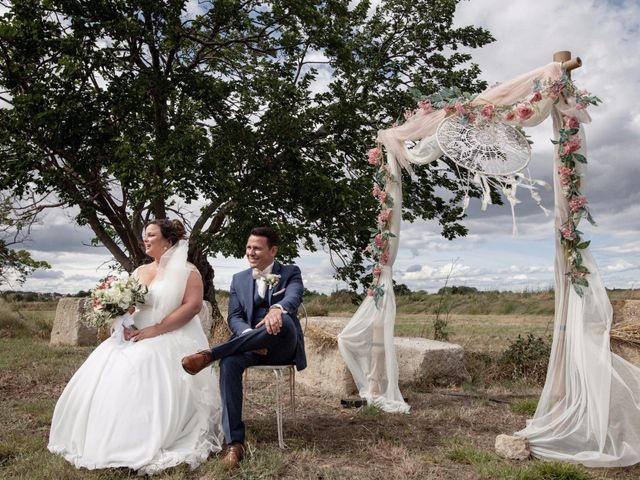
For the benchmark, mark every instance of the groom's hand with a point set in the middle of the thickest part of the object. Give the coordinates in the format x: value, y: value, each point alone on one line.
x: 272, y: 321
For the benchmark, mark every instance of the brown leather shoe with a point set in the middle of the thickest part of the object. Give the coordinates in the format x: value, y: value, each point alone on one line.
x: 232, y: 456
x: 192, y: 364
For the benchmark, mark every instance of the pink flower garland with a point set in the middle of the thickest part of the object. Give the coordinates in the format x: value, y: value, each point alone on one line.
x: 456, y: 103
x: 380, y: 236
x: 570, y: 237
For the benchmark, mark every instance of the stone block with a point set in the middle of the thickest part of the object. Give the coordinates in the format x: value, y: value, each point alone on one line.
x: 513, y: 448
x: 419, y: 359
x: 68, y: 327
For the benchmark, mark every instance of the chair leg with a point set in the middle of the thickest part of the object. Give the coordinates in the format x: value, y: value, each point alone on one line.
x: 292, y: 390
x: 278, y: 374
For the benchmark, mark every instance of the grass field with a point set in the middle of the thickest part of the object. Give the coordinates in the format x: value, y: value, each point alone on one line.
x: 448, y: 435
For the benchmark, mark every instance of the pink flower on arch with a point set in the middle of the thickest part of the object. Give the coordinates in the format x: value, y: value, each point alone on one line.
x: 459, y: 108
x: 524, y: 111
x: 425, y: 106
x: 370, y: 292
x: 379, y: 241
x: 555, y: 88
x: 377, y: 271
x: 577, y: 203
x: 570, y: 122
x: 384, y: 216
x: 378, y: 193
x: 510, y: 115
x: 565, y: 171
x: 375, y: 156
x: 536, y: 97
x: 448, y: 109
x: 471, y: 117
x: 488, y: 111
x: 567, y: 231
x: 572, y: 145
x: 565, y: 174
x: 384, y: 258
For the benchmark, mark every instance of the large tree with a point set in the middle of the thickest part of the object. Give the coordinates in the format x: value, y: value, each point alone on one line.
x: 237, y: 114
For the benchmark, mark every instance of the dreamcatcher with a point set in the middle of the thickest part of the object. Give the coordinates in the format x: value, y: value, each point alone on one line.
x: 492, y: 154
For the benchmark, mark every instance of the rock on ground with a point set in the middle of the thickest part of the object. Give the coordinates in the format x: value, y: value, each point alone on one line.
x: 513, y: 448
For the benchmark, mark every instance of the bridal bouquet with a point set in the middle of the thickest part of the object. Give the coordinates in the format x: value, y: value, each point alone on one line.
x: 112, y: 298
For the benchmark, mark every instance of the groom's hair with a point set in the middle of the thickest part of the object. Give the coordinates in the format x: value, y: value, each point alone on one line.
x: 273, y: 239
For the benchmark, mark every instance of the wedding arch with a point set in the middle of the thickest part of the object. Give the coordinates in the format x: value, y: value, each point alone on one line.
x: 587, y: 412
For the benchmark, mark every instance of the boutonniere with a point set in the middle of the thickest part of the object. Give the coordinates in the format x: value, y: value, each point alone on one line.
x: 271, y: 280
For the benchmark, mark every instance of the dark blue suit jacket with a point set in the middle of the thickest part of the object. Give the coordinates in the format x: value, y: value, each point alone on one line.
x: 287, y: 293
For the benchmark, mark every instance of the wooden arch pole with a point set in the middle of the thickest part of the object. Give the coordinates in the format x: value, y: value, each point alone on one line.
x: 568, y: 63
x: 562, y: 304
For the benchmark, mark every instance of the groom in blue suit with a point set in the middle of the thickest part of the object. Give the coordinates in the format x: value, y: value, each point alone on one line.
x: 262, y: 315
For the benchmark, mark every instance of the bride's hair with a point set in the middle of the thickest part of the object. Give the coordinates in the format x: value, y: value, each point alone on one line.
x: 172, y: 230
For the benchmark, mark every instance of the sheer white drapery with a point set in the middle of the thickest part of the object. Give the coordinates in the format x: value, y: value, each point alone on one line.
x: 588, y: 411
x: 366, y: 343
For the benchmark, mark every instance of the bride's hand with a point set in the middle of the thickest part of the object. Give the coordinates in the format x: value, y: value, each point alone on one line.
x: 144, y: 333
x: 128, y: 332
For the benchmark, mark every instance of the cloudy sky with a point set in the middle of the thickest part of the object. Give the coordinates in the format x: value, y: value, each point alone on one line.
x: 606, y: 35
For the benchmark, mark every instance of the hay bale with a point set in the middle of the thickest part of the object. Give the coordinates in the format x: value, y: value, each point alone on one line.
x: 419, y: 359
x: 625, y: 330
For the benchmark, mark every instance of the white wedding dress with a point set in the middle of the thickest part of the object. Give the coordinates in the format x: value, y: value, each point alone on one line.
x: 131, y: 404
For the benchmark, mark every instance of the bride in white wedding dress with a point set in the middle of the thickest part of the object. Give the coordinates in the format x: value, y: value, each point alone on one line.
x: 131, y: 404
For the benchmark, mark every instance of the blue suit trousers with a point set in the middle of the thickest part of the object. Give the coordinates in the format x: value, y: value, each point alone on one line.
x: 236, y: 355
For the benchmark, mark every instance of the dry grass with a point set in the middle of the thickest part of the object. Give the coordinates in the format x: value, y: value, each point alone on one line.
x: 448, y: 435
x: 485, y: 333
